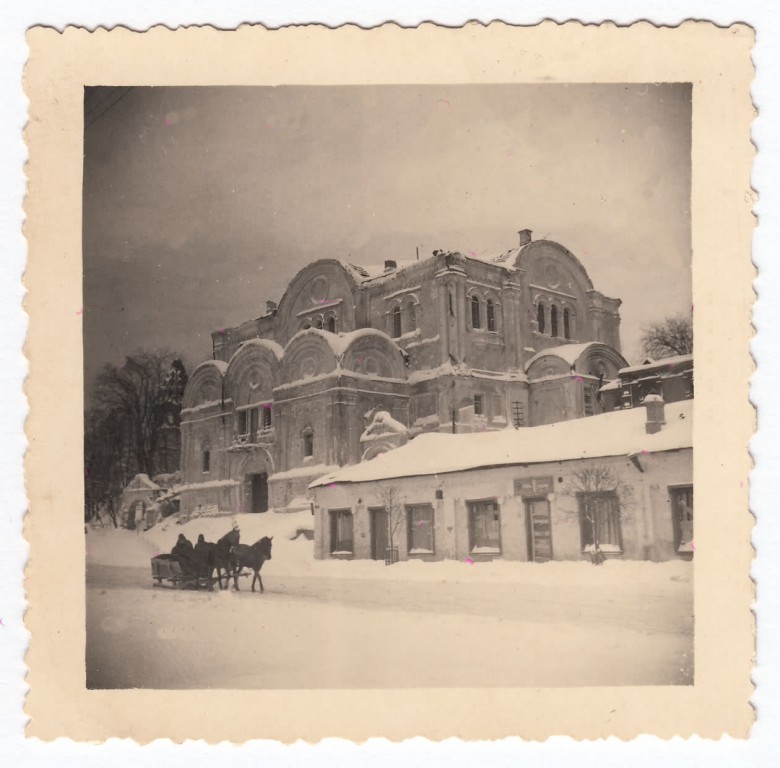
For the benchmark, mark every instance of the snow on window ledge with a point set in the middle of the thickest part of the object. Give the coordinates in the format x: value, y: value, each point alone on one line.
x: 419, y: 551
x: 341, y: 553
x: 607, y: 549
x: 485, y: 550
x: 685, y: 547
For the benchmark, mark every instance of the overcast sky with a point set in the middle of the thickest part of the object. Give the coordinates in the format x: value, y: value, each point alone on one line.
x: 201, y: 203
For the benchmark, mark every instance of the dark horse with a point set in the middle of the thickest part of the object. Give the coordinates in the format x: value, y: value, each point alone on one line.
x: 209, y: 557
x: 253, y: 557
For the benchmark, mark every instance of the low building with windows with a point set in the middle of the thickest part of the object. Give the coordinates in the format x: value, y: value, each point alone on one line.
x: 451, y: 343
x: 670, y: 377
x: 621, y: 482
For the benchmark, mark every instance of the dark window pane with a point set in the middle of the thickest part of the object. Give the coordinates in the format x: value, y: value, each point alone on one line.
x: 341, y: 538
x: 475, y: 314
x: 420, y: 522
x: 600, y: 520
x: 485, y: 526
x: 396, y: 317
x: 540, y: 317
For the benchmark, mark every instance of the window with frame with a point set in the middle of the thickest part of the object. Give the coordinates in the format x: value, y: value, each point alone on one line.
x: 484, y: 527
x: 308, y: 442
x: 491, y: 315
x: 476, y: 320
x: 395, y: 321
x: 682, y: 516
x: 554, y: 321
x: 419, y: 518
x: 207, y: 459
x: 266, y: 416
x: 600, y: 521
x: 540, y: 317
x: 411, y: 316
x: 341, y: 532
x: 566, y: 324
x: 242, y: 423
x: 479, y: 405
x: 331, y: 324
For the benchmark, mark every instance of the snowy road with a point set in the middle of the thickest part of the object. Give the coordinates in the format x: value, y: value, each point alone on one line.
x: 313, y: 632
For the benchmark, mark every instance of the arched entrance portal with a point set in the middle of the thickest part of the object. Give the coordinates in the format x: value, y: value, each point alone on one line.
x: 255, y: 472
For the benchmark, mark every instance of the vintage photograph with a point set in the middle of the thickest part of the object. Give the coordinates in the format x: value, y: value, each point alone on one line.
x: 388, y: 386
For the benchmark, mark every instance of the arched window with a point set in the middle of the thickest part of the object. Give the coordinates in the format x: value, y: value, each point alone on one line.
x: 540, y: 317
x: 554, y: 321
x: 308, y: 442
x: 396, y: 321
x: 566, y: 324
x: 476, y: 321
x: 318, y: 322
x: 491, y: 315
x: 206, y: 459
x: 332, y: 324
x: 411, y: 316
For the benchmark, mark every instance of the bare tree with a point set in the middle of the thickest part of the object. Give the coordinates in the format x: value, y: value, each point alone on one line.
x: 131, y: 406
x: 672, y: 336
x: 392, y: 501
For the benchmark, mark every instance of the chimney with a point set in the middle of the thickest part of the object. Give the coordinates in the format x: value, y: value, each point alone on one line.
x: 654, y: 405
x: 525, y: 236
x: 390, y: 265
x: 270, y: 307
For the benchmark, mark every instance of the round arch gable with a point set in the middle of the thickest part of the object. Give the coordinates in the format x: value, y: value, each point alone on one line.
x: 317, y: 287
x: 558, y: 360
x: 307, y: 355
x: 205, y: 385
x: 374, y: 353
x: 253, y: 372
x: 535, y: 254
x: 600, y: 354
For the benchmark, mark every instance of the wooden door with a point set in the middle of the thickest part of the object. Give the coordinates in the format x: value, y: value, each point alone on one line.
x: 539, y: 530
x: 379, y: 541
x: 260, y: 493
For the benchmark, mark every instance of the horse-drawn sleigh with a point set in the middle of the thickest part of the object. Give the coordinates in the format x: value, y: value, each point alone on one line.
x: 194, y: 567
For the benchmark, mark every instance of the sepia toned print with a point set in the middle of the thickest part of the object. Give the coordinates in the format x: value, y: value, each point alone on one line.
x: 388, y: 388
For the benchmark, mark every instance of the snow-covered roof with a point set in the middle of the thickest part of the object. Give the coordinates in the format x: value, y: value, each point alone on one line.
x: 363, y: 273
x: 269, y: 344
x: 142, y: 482
x: 618, y: 433
x: 340, y: 342
x: 664, y: 362
x: 220, y: 365
x: 461, y: 369
x: 568, y: 352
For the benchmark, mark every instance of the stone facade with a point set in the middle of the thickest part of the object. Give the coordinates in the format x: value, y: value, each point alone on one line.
x: 449, y: 343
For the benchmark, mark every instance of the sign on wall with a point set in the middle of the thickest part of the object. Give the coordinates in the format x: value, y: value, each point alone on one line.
x: 533, y: 486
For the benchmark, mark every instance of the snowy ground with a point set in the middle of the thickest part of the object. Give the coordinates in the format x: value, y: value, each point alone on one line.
x: 339, y: 624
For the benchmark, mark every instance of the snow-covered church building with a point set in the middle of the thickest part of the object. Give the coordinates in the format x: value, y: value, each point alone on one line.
x: 356, y: 360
